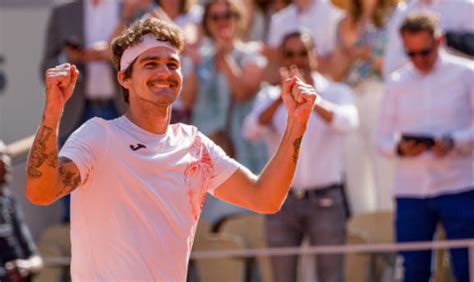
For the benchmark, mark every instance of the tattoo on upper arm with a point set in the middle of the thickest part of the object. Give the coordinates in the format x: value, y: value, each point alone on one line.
x: 296, y: 148
x: 69, y: 179
x: 38, y: 153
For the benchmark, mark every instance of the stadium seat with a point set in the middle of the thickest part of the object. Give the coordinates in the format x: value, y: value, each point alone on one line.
x: 240, y: 226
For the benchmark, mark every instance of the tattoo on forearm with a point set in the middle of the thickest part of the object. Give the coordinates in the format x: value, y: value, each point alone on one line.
x: 53, y: 160
x: 296, y: 148
x: 38, y: 153
x: 69, y: 180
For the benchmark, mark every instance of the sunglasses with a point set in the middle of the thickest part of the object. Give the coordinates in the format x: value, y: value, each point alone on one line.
x: 292, y: 54
x: 223, y: 16
x: 422, y: 53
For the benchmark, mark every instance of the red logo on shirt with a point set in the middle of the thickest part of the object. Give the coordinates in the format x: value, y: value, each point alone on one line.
x: 197, y: 175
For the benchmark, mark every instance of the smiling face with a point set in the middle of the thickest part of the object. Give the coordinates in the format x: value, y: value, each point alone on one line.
x: 156, y: 78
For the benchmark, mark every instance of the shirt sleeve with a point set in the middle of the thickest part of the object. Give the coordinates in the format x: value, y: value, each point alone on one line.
x: 86, y: 146
x: 223, y: 166
x: 385, y: 134
x: 345, y: 114
x: 464, y: 138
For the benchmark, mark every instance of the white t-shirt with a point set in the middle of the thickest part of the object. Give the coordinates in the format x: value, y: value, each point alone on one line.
x: 135, y: 213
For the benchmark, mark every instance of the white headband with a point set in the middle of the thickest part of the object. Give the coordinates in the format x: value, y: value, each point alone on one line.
x: 148, y: 41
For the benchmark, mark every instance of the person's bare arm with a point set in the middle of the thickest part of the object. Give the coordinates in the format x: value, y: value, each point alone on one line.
x: 243, y: 81
x: 49, y: 177
x: 265, y: 193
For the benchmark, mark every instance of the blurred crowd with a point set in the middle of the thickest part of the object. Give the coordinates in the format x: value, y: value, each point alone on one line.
x: 393, y: 126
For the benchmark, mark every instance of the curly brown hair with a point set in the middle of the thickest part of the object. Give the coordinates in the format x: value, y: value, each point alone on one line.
x: 161, y: 29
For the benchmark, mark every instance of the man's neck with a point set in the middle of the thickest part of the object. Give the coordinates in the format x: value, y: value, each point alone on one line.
x: 154, y: 120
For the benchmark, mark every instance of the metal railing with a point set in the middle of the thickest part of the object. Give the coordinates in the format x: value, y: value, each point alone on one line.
x: 18, y: 150
x: 319, y: 250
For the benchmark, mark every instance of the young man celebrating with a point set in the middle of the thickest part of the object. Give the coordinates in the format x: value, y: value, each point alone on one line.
x: 138, y: 181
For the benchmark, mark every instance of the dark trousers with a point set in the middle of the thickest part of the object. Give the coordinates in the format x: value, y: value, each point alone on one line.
x: 322, y: 218
x: 416, y: 220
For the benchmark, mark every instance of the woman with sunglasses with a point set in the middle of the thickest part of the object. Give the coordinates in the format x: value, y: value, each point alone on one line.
x: 358, y: 60
x: 227, y: 77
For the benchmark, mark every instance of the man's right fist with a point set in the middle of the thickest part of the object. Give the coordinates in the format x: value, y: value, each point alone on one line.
x: 60, y: 83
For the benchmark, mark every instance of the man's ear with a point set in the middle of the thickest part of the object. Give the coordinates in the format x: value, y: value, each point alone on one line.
x: 124, y: 82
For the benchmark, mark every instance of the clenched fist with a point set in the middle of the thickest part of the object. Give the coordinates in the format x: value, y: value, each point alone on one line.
x: 60, y: 83
x: 298, y: 96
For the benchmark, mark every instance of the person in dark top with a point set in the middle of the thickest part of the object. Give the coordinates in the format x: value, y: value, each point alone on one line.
x: 19, y: 259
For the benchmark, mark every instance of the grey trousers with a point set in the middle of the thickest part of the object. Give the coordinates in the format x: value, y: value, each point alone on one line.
x: 321, y: 217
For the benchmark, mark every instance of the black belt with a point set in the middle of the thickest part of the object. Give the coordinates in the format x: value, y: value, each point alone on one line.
x: 313, y: 192
x: 99, y: 102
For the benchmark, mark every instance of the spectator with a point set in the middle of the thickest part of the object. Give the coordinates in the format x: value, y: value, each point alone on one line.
x: 430, y: 104
x: 78, y: 32
x: 314, y: 206
x: 454, y: 16
x: 19, y: 259
x: 226, y: 79
x: 358, y: 61
x: 320, y: 17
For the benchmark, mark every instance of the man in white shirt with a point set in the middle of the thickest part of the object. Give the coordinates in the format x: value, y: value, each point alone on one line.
x: 137, y: 182
x: 427, y: 123
x: 453, y: 15
x: 319, y: 17
x: 315, y: 204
